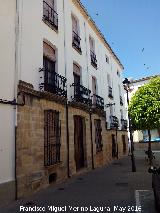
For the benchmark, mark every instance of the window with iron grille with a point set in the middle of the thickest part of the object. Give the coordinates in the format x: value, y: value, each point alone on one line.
x: 98, y: 135
x: 52, y: 135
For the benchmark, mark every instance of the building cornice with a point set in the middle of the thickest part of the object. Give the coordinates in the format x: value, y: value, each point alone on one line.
x: 85, y: 13
x: 144, y: 79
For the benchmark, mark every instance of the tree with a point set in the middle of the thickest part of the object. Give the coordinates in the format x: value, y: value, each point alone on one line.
x: 144, y: 108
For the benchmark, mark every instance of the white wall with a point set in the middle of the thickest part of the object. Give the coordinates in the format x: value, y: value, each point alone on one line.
x: 34, y: 31
x: 7, y: 73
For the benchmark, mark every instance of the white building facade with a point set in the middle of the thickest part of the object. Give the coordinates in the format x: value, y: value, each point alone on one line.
x: 53, y: 41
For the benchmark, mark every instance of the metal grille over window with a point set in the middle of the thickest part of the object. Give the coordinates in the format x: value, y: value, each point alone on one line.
x: 98, y: 135
x: 52, y: 135
x: 49, y: 14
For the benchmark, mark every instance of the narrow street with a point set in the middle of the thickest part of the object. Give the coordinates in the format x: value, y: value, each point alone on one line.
x: 109, y: 189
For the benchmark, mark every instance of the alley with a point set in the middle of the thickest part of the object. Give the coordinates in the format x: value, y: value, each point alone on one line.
x: 109, y: 189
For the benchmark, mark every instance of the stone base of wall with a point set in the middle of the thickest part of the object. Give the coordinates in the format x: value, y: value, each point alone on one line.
x: 144, y: 146
x: 32, y: 175
x: 7, y: 192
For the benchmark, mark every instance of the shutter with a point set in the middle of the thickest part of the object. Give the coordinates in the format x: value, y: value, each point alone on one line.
x: 91, y: 42
x: 49, y: 52
x: 50, y: 3
x: 74, y: 25
x: 76, y: 69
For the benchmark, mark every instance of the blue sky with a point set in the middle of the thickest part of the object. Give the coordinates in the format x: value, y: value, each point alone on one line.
x: 129, y: 26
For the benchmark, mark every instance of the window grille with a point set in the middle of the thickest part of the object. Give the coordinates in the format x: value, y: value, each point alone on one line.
x: 52, y: 135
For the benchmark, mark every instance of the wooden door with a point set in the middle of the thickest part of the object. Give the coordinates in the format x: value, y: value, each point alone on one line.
x: 124, y: 144
x: 113, y: 146
x: 78, y: 142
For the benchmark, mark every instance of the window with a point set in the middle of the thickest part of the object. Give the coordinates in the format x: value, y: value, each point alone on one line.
x: 76, y: 40
x: 52, y: 135
x: 98, y: 135
x: 94, y: 85
x: 120, y: 95
x: 110, y: 90
x: 92, y: 52
x: 49, y: 14
x: 77, y: 79
x: 118, y: 73
x: 51, y: 81
x: 121, y: 113
x: 111, y: 110
x: 94, y: 89
x: 107, y: 59
x: 49, y: 61
x: 49, y: 52
x: 76, y: 74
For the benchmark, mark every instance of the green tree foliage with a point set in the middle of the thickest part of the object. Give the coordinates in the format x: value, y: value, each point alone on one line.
x: 144, y: 107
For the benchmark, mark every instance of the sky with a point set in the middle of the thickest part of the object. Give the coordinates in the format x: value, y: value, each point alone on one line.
x: 132, y: 28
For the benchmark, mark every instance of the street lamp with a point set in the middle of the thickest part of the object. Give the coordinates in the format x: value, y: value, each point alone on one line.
x: 126, y: 84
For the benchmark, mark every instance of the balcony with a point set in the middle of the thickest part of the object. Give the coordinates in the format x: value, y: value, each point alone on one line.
x: 121, y: 100
x: 81, y: 94
x: 93, y: 59
x: 114, y: 123
x: 76, y: 42
x: 110, y: 93
x: 53, y: 82
x: 124, y: 124
x: 49, y: 15
x: 98, y: 102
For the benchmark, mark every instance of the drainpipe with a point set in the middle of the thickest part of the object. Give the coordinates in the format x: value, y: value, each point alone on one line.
x: 15, y: 87
x: 90, y: 113
x: 65, y: 64
x: 68, y: 169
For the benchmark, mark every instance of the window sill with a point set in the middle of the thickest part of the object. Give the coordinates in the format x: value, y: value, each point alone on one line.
x: 54, y: 165
x: 110, y: 96
x: 77, y: 49
x: 94, y: 65
x: 99, y: 151
x: 50, y: 25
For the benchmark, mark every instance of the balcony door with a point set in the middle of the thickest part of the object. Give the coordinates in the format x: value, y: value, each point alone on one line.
x: 77, y: 80
x: 94, y: 89
x: 49, y: 74
x: 49, y: 61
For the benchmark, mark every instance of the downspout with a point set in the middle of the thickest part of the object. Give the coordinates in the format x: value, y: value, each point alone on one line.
x: 90, y: 113
x: 65, y: 64
x: 15, y: 88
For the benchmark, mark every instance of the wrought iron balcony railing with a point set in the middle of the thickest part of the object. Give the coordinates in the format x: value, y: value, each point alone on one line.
x: 50, y: 15
x: 76, y: 41
x: 98, y: 102
x: 93, y: 59
x: 110, y: 93
x: 121, y: 100
x: 53, y: 82
x: 124, y: 124
x: 114, y: 123
x: 81, y: 94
